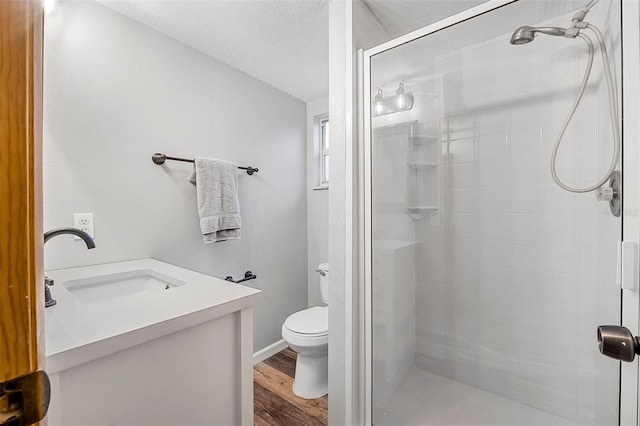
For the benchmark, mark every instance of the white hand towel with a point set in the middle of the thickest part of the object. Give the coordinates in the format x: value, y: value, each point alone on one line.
x: 217, y: 193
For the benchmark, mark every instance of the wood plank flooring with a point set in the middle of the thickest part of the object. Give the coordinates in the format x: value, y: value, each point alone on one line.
x: 275, y: 403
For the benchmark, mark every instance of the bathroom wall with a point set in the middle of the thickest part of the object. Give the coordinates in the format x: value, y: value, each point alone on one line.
x: 116, y: 92
x: 317, y: 204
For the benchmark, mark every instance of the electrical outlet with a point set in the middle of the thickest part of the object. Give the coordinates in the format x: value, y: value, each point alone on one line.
x: 84, y: 222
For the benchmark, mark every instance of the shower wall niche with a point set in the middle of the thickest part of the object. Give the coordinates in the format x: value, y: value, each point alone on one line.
x: 488, y: 281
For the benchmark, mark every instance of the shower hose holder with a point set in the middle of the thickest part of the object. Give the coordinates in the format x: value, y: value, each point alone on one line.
x: 612, y: 193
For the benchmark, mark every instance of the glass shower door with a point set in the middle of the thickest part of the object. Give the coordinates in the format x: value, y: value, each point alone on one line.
x: 488, y: 281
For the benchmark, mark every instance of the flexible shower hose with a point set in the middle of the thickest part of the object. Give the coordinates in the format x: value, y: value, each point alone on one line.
x: 613, y: 113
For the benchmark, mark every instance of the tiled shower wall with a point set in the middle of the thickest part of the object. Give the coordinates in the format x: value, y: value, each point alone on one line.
x: 519, y: 274
x: 513, y: 282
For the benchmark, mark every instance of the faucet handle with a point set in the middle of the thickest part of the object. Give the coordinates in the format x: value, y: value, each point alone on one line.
x: 48, y: 300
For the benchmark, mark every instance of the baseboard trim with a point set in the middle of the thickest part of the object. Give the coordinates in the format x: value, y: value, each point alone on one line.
x: 269, y: 351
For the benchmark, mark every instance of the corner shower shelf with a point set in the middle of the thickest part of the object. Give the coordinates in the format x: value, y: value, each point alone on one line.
x: 423, y: 139
x: 423, y: 171
x: 422, y: 164
x: 422, y: 209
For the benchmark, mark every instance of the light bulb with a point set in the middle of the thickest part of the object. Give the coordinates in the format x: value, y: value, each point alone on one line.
x: 400, y: 99
x: 378, y: 103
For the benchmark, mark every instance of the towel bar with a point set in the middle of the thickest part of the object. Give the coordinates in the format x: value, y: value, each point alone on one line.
x: 159, y: 159
x: 247, y: 276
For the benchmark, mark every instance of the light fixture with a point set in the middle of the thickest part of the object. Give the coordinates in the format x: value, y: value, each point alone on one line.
x: 49, y: 6
x: 402, y: 101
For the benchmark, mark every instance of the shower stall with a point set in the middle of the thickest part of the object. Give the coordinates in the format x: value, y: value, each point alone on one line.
x: 486, y: 273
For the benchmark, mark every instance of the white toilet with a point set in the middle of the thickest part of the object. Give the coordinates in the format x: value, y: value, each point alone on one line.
x: 307, y: 333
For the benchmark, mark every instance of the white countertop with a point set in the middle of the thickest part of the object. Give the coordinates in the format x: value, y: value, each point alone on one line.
x: 79, y: 332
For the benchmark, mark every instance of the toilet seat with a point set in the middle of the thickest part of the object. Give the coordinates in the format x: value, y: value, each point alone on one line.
x: 312, y: 322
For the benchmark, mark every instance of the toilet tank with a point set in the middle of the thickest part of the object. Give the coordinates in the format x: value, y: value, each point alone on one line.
x: 323, y: 270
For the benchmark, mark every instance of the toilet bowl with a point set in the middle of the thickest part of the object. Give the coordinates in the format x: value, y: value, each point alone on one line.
x: 307, y: 333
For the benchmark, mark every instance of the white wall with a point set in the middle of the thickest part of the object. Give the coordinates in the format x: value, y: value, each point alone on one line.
x: 116, y: 92
x: 340, y: 51
x: 317, y: 203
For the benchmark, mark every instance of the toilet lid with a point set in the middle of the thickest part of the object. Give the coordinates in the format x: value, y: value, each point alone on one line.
x: 310, y: 321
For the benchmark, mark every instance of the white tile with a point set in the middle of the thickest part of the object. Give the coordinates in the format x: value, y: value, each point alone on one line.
x: 526, y: 199
x: 525, y: 143
x: 527, y: 171
x: 461, y: 151
x: 588, y: 109
x: 464, y: 225
x: 492, y: 200
x: 586, y: 135
x: 552, y: 257
x: 462, y: 176
x: 467, y: 250
x: 491, y: 122
x: 493, y: 173
x: 492, y: 147
x: 548, y: 227
x: 462, y: 200
x: 461, y: 122
x: 523, y: 116
x: 552, y: 286
x: 497, y: 252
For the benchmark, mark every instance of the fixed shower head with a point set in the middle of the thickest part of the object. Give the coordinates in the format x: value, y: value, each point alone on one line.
x: 526, y: 34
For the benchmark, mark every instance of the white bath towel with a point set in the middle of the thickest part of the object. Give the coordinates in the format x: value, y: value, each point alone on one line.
x: 217, y: 193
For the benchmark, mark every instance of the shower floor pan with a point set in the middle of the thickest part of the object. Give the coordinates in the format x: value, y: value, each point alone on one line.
x: 425, y: 398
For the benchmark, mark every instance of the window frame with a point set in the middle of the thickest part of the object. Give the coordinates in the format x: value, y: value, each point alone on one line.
x: 323, y: 151
x: 320, y: 136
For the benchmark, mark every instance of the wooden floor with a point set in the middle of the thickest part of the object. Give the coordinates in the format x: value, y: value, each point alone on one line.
x: 274, y: 401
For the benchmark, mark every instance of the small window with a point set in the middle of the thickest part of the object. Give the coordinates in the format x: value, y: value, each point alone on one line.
x: 324, y: 152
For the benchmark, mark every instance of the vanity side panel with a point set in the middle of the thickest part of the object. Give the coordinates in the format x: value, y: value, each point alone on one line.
x: 189, y: 377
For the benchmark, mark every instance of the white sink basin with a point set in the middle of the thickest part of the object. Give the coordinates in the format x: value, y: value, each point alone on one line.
x: 120, y: 285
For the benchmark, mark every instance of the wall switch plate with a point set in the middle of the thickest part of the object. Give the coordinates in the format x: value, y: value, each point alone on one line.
x: 84, y: 222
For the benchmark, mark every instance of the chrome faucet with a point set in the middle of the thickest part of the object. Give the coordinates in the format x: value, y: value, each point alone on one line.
x: 48, y: 300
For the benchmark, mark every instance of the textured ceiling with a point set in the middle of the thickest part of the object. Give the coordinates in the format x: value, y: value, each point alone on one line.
x: 399, y: 17
x: 281, y: 42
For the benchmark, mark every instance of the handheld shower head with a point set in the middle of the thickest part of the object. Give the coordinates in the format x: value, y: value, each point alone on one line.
x: 526, y: 34
x: 522, y: 35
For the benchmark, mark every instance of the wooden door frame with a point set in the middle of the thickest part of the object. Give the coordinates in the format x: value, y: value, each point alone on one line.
x: 21, y: 240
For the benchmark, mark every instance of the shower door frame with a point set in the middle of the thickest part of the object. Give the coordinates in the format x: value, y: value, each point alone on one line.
x: 630, y: 221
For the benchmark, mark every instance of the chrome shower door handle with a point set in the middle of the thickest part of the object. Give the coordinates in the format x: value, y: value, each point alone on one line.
x: 618, y: 342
